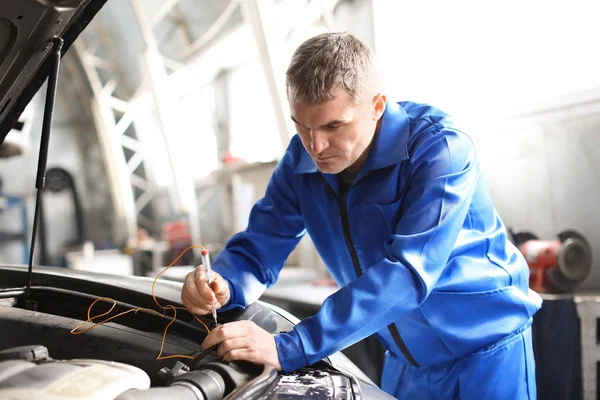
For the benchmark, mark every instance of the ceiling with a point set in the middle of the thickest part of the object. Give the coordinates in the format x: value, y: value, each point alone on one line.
x: 118, y: 36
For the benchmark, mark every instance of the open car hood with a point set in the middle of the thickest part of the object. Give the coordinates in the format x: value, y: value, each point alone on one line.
x: 26, y: 31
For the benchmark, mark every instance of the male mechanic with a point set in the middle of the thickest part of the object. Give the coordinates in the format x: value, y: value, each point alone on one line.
x: 393, y: 198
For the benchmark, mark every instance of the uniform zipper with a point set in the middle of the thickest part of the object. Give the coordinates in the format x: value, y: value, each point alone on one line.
x: 347, y: 234
x: 356, y: 263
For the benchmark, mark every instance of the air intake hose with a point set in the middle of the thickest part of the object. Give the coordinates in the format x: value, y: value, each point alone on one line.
x: 178, y: 392
x: 195, y: 385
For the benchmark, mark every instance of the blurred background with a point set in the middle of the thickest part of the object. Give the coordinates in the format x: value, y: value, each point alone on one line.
x: 171, y: 115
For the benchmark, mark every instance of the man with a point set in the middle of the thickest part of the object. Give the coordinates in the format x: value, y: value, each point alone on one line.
x: 393, y: 198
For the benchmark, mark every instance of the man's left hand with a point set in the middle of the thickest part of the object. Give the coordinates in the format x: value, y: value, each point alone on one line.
x: 244, y: 340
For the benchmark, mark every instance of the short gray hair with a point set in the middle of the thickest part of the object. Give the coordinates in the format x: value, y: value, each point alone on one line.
x: 325, y: 61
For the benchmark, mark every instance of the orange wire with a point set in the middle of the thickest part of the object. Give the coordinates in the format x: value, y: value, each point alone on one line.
x: 195, y: 246
x: 77, y: 330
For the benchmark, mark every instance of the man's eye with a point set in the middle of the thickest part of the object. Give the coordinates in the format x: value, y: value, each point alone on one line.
x: 333, y: 127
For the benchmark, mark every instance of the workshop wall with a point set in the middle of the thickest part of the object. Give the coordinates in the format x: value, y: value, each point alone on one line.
x: 544, y: 172
x: 463, y: 59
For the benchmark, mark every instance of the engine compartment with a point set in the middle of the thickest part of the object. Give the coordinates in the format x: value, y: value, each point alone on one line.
x: 28, y: 372
x: 123, y: 352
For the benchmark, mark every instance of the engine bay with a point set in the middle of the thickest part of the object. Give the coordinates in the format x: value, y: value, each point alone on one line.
x: 28, y: 372
x: 41, y: 358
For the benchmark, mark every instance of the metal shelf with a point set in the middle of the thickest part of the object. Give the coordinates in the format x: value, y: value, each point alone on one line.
x: 9, y: 237
x: 10, y: 201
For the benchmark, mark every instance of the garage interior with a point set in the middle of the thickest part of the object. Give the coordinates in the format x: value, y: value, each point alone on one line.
x: 171, y: 115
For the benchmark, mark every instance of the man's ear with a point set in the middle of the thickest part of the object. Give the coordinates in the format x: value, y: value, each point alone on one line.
x: 379, y: 103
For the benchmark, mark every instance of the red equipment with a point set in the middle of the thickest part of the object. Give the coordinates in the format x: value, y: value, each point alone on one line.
x: 555, y: 265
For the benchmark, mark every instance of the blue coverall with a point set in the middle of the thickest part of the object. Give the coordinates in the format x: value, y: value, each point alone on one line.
x: 420, y: 254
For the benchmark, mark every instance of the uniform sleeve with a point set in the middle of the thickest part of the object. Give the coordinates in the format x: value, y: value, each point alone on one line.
x: 252, y: 259
x: 443, y: 175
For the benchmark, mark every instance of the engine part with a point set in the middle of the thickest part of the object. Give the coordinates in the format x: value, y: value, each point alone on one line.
x: 168, y: 374
x: 178, y: 392
x: 556, y: 265
x: 73, y: 379
x: 210, y: 383
x: 27, y: 353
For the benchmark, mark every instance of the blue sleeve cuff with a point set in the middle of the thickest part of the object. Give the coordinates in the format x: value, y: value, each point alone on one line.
x: 234, y: 301
x: 290, y: 351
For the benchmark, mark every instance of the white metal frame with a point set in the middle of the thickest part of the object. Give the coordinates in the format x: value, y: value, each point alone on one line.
x: 258, y: 13
x: 254, y: 14
x: 113, y: 142
x: 121, y: 172
x: 183, y: 195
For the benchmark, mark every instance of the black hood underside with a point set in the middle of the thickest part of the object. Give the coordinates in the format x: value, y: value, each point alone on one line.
x: 26, y: 31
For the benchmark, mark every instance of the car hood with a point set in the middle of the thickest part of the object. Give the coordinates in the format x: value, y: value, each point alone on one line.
x: 88, y: 282
x: 26, y: 31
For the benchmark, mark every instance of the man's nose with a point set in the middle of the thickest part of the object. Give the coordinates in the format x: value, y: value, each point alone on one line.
x: 318, y: 142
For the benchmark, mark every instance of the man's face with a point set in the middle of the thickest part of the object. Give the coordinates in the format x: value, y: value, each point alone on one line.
x: 338, y: 133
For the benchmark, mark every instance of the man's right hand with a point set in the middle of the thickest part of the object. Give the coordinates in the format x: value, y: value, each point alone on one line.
x: 197, y: 295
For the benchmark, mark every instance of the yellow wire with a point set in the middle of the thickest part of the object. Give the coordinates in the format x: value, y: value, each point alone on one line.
x: 77, y: 330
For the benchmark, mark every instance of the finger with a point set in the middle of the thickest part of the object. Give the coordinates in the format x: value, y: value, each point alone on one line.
x: 192, y: 300
x: 232, y: 344
x: 189, y: 294
x: 196, y: 307
x: 245, y: 354
x: 203, y: 292
x: 198, y: 273
x: 191, y: 288
x: 203, y: 289
x: 218, y: 284
x: 224, y: 332
x: 191, y: 305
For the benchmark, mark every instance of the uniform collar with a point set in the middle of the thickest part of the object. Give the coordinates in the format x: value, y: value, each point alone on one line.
x: 390, y: 145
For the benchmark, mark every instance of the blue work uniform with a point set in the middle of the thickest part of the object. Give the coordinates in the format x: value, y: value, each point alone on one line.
x: 419, y: 252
